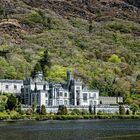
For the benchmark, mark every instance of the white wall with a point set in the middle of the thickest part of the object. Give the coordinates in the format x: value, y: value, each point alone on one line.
x: 11, y: 84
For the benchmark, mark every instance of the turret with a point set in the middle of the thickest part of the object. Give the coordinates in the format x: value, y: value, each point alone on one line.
x: 39, y: 76
x: 69, y: 76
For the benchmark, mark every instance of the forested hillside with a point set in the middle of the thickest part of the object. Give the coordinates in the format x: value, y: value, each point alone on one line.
x: 98, y: 40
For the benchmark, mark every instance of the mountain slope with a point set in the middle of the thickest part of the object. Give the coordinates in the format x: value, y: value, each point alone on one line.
x: 99, y: 40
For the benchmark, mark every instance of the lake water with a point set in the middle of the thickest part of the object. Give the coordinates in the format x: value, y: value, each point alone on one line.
x: 71, y: 130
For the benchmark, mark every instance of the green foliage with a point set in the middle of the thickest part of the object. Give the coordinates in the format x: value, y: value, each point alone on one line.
x: 32, y: 18
x: 108, y: 53
x: 11, y: 102
x: 33, y: 107
x: 75, y: 112
x: 56, y: 73
x: 134, y: 108
x: 6, y: 70
x: 43, y: 110
x: 123, y: 26
x: 29, y: 111
x: 121, y: 110
x: 90, y: 109
x: 62, y: 110
x: 114, y: 59
x: 2, y: 107
x: 127, y: 112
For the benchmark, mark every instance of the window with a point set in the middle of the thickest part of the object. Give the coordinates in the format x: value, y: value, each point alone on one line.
x: 26, y: 89
x: 65, y: 94
x: 46, y: 95
x: 33, y: 98
x: 94, y: 95
x: 78, y: 93
x: 77, y: 87
x: 15, y: 87
x: 91, y: 102
x: 6, y: 86
x: 85, y: 97
x: 38, y: 98
x: 46, y: 102
x: 60, y: 102
x: 66, y: 102
x: 61, y: 94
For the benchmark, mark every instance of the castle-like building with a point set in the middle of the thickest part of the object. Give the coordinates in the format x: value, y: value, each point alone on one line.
x: 70, y: 93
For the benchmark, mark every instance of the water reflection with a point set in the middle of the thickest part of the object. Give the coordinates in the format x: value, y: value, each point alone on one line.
x: 71, y: 130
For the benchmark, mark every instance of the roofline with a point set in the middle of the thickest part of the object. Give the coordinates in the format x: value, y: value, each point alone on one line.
x: 11, y: 80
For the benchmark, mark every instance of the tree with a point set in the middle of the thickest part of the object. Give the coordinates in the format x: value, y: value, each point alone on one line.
x: 43, y: 110
x: 122, y: 87
x: 94, y: 110
x: 127, y: 112
x: 62, y: 110
x: 11, y: 102
x: 36, y: 69
x: 49, y: 23
x: 121, y: 110
x: 33, y: 107
x: 90, y: 109
x: 90, y: 26
x: 45, y: 61
x: 134, y: 108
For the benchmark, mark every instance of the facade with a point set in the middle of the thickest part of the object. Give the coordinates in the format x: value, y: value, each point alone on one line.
x: 11, y: 86
x: 110, y: 100
x: 70, y: 93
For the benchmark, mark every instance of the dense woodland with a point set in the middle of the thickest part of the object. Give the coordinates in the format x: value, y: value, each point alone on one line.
x: 99, y: 41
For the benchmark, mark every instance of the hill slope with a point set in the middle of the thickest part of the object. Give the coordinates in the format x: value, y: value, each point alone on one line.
x: 99, y: 40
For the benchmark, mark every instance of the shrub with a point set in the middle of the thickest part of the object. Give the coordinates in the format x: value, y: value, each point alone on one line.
x: 29, y: 111
x: 75, y: 112
x: 62, y: 110
x: 114, y: 59
x: 32, y: 18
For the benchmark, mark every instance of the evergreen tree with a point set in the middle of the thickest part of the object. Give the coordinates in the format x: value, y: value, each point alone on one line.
x: 11, y: 102
x: 36, y: 69
x: 33, y: 107
x: 90, y: 109
x: 127, y: 112
x: 121, y: 110
x: 43, y: 110
x: 94, y: 110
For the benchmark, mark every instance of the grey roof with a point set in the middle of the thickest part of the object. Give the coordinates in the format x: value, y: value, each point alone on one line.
x: 10, y: 81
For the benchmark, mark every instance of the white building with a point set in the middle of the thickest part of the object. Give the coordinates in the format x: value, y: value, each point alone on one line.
x: 11, y: 86
x: 71, y: 93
